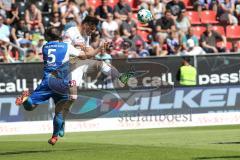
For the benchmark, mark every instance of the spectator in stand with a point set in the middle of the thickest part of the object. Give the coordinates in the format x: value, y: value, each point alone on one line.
x: 209, y: 40
x: 59, y: 5
x: 226, y: 12
x: 158, y: 9
x: 117, y: 42
x: 91, y: 12
x: 134, y: 38
x: 121, y: 10
x: 164, y: 26
x: 25, y: 45
x: 2, y: 56
x: 155, y: 46
x: 31, y: 56
x: 14, y: 54
x: 126, y: 26
x: 104, y: 55
x: 39, y: 45
x: 5, y: 6
x: 5, y: 49
x: 36, y: 33
x: 3, y: 52
x: 70, y: 11
x: 55, y: 21
x: 82, y: 12
x: 33, y: 17
x: 103, y: 10
x: 200, y: 5
x: 140, y: 49
x: 12, y: 16
x: 236, y: 47
x: 4, y: 29
x: 192, y: 49
x: 189, y: 35
x: 126, y: 50
x: 109, y: 27
x: 2, y: 12
x: 182, y: 22
x: 237, y: 10
x: 145, y: 4
x: 55, y: 5
x: 173, y: 43
x: 20, y: 32
x: 175, y: 6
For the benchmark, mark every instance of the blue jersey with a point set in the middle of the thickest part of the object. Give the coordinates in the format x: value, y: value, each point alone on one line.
x: 55, y: 54
x: 56, y: 57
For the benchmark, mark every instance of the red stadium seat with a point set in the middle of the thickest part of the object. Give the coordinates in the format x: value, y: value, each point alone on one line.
x: 94, y: 3
x: 198, y: 31
x: 193, y: 17
x: 143, y: 34
x: 188, y: 4
x: 208, y: 17
x: 219, y: 29
x: 233, y: 32
x: 135, y: 4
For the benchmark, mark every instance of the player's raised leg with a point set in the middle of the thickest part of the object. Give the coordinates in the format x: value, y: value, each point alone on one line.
x: 118, y: 79
x: 38, y: 96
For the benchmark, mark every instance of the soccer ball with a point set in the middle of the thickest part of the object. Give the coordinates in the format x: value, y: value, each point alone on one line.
x: 144, y: 15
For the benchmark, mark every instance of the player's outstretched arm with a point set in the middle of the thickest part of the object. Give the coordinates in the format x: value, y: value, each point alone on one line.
x: 75, y: 52
x: 91, y: 52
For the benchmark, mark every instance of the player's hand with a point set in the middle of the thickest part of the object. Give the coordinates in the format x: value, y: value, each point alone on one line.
x: 83, y: 47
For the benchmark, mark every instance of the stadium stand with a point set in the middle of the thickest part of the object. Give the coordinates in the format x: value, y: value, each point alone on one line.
x: 198, y: 31
x: 194, y: 17
x: 233, y: 32
x: 219, y: 29
x: 53, y: 15
x: 208, y: 17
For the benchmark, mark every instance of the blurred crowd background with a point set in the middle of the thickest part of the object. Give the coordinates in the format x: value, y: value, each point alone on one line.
x: 179, y: 27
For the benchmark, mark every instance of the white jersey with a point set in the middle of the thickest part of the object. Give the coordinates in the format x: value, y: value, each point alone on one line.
x: 73, y: 35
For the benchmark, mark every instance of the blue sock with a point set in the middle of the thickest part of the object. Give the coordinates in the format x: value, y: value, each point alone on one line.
x: 57, y: 123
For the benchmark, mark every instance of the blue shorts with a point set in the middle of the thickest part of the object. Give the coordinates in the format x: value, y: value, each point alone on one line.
x: 45, y: 91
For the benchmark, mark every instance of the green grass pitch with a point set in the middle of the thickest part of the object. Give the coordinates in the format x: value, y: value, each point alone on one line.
x: 196, y: 143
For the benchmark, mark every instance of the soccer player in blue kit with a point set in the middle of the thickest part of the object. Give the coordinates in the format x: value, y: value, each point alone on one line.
x: 55, y: 54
